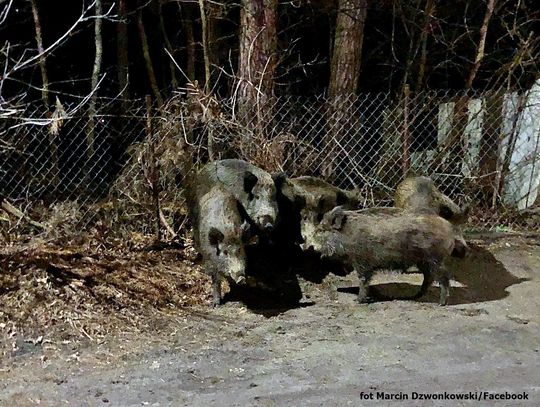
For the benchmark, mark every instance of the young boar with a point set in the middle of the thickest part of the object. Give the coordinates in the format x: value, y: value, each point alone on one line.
x: 367, y: 241
x: 220, y: 239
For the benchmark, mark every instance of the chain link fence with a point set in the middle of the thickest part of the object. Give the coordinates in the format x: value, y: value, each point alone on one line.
x: 68, y: 172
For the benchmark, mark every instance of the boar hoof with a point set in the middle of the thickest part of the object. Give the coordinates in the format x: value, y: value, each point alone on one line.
x: 364, y: 299
x: 443, y: 300
x: 216, y: 302
x: 363, y: 294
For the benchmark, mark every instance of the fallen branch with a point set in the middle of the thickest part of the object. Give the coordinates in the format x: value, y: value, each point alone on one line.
x: 11, y: 210
x: 166, y: 225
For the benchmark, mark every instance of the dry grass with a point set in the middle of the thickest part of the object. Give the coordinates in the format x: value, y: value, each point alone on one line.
x: 85, y: 289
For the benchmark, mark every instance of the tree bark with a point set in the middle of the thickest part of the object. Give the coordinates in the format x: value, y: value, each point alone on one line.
x: 257, y: 62
x: 429, y: 11
x: 344, y: 77
x: 122, y: 55
x: 489, y: 149
x: 204, y: 41
x: 187, y: 22
x: 148, y: 60
x: 42, y: 63
x: 55, y: 176
x: 98, y: 40
x: 480, y: 50
x: 347, y: 53
x: 168, y: 45
x: 215, y: 13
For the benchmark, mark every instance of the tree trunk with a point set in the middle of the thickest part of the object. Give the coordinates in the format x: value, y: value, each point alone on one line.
x: 42, y: 64
x: 489, y: 149
x: 347, y: 53
x: 122, y: 56
x: 169, y: 47
x: 429, y: 12
x: 481, y: 45
x: 95, y: 79
x: 55, y: 175
x: 148, y: 60
x: 344, y: 76
x: 187, y: 23
x: 204, y: 41
x: 215, y: 13
x: 452, y: 151
x: 257, y: 62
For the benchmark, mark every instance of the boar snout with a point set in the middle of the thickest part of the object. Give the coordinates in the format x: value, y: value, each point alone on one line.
x: 241, y: 280
x: 306, y: 247
x: 267, y: 223
x: 238, y: 276
x: 461, y: 250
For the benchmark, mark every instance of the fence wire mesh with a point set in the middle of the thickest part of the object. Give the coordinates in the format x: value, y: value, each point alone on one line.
x: 70, y: 172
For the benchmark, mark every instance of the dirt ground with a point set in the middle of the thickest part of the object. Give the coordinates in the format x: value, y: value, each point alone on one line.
x: 327, y: 351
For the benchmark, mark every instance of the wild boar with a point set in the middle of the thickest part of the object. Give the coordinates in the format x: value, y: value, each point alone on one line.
x: 308, y: 199
x: 367, y: 241
x: 251, y: 186
x: 309, y: 225
x: 220, y: 239
x: 419, y: 194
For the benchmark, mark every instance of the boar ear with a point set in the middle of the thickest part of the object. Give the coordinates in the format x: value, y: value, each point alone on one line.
x: 425, y: 185
x: 215, y: 236
x: 341, y: 198
x: 320, y: 202
x: 466, y: 211
x: 250, y: 180
x: 445, y: 212
x: 338, y: 218
x: 300, y: 201
x: 463, y: 215
x: 279, y: 178
x: 287, y: 189
x: 324, y: 203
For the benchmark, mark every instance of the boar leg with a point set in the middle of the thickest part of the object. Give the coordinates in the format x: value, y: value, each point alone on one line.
x: 442, y: 277
x: 364, y: 276
x: 444, y: 282
x: 216, y: 290
x: 428, y: 280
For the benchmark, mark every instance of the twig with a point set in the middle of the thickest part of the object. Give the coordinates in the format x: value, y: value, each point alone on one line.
x: 10, y: 209
x: 166, y: 225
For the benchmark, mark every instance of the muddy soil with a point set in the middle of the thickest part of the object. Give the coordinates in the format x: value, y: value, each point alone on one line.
x: 325, y: 352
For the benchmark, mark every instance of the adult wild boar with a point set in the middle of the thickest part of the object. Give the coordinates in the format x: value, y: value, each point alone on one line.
x: 302, y: 202
x: 367, y: 241
x: 220, y: 239
x: 419, y: 194
x: 310, y: 225
x: 251, y: 186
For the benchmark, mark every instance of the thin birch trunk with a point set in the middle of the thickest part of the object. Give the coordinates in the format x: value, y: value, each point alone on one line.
x: 148, y: 60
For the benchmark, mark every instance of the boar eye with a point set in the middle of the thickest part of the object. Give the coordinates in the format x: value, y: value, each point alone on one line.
x: 225, y: 252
